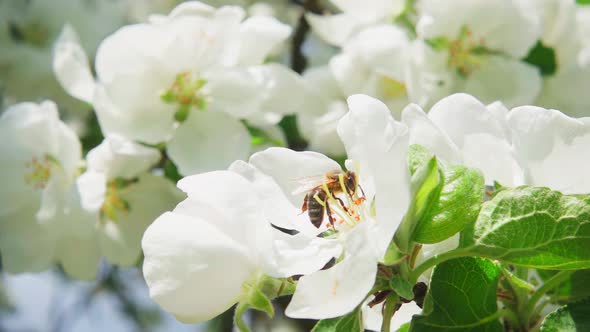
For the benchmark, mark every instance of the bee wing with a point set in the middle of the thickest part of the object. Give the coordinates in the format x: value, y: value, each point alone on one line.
x: 308, y: 183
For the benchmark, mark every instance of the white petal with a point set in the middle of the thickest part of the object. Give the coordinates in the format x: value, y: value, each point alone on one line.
x: 151, y: 196
x: 566, y: 91
x: 513, y: 82
x: 371, y: 10
x: 378, y: 144
x: 515, y: 34
x: 227, y: 201
x: 334, y: 29
x: 192, y: 269
x: 300, y: 254
x: 117, y: 156
x: 288, y: 168
x: 338, y: 290
x: 93, y: 187
x: 26, y: 245
x: 150, y: 125
x: 480, y: 136
x: 79, y: 255
x: 351, y: 74
x: 383, y: 48
x: 71, y: 67
x: 208, y: 141
x: 259, y: 35
x: 424, y: 132
x: 282, y: 90
x: 554, y: 148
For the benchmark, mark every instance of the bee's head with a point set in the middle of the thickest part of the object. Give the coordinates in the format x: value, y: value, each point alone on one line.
x: 351, y: 182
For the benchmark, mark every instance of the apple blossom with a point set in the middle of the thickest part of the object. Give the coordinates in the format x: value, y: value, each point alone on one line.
x: 41, y: 201
x: 484, y: 53
x: 202, y: 257
x: 196, y: 59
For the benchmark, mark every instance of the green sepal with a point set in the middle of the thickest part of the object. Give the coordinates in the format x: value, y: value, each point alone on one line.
x: 402, y: 287
x: 351, y: 322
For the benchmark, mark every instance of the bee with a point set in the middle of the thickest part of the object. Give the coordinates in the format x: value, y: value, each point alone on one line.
x: 316, y: 200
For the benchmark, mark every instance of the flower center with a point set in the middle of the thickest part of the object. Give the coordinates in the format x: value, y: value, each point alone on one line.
x: 465, y: 53
x: 186, y: 92
x: 391, y: 88
x: 38, y: 170
x: 114, y: 204
x: 344, y: 207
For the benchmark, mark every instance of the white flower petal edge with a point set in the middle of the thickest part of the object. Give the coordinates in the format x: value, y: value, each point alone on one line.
x: 192, y: 268
x: 339, y: 289
x: 117, y: 156
x: 377, y: 145
x: 553, y: 148
x: 207, y: 141
x: 71, y: 67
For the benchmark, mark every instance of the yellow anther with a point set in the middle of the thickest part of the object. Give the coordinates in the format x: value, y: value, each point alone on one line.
x: 39, y: 171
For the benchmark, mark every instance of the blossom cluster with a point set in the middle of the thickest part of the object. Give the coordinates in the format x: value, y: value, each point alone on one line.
x: 425, y: 150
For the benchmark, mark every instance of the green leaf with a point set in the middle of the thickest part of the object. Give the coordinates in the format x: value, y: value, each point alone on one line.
x: 351, y: 322
x: 576, y: 288
x: 259, y: 301
x: 457, y: 205
x: 402, y: 287
x: 426, y: 184
x: 462, y: 297
x: 533, y: 227
x: 543, y: 58
x: 572, y: 317
x: 516, y: 281
x: 418, y: 156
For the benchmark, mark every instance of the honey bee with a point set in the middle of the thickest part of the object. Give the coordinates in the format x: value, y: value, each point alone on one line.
x: 316, y: 200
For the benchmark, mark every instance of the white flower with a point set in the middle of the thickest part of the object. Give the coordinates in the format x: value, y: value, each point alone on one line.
x: 153, y: 80
x: 553, y: 148
x: 336, y: 29
x: 526, y: 145
x: 459, y: 129
x: 199, y: 257
x: 123, y: 196
x: 485, y: 41
x: 324, y: 106
x: 42, y: 215
x: 376, y: 145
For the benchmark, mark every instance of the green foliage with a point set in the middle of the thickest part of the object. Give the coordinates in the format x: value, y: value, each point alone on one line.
x: 572, y: 317
x: 402, y: 287
x: 534, y: 227
x: 457, y: 205
x: 543, y: 58
x: 351, y: 322
x: 445, y: 198
x: 576, y: 288
x: 462, y: 297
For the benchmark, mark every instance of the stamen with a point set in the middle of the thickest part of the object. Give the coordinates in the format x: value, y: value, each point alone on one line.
x: 40, y: 171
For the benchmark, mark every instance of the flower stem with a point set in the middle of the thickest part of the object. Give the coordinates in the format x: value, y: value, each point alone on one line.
x: 390, y: 306
x: 435, y: 260
x: 553, y: 282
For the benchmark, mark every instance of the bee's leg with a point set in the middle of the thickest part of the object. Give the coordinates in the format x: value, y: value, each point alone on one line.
x: 342, y: 204
x: 304, y: 206
x: 329, y: 213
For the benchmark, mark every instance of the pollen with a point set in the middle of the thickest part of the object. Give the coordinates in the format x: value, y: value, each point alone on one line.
x: 186, y: 92
x: 39, y: 170
x: 115, y: 205
x: 464, y: 52
x: 335, y: 286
